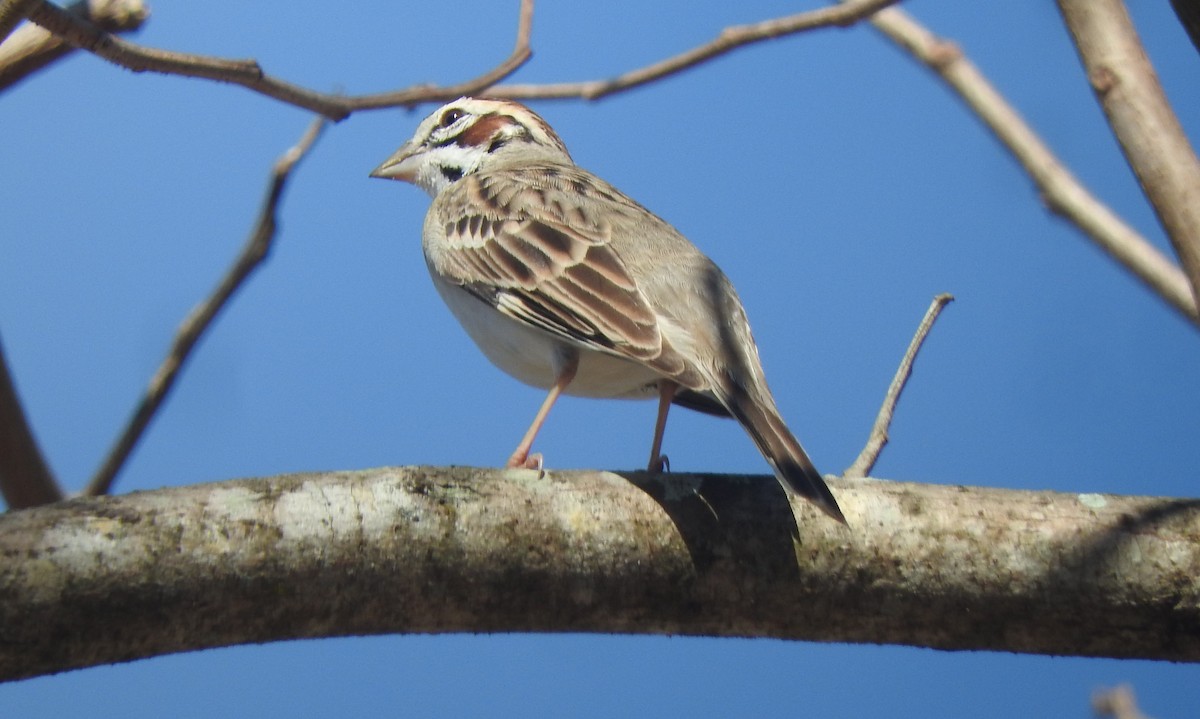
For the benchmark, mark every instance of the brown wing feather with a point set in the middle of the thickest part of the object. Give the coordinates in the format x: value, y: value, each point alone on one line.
x: 543, y: 259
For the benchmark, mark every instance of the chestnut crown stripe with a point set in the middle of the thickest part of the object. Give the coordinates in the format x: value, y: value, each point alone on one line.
x: 494, y: 130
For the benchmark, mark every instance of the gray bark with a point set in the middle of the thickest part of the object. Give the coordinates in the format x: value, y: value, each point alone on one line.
x: 421, y: 549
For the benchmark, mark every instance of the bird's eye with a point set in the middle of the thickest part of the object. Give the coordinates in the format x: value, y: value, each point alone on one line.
x: 449, y: 117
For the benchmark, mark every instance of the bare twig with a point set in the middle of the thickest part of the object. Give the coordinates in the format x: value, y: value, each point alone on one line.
x: 728, y: 40
x: 1062, y: 191
x: 249, y: 74
x: 201, y: 317
x: 1140, y: 116
x: 12, y: 12
x: 87, y: 36
x: 1118, y: 703
x: 879, y: 432
x: 25, y: 480
x: 32, y: 48
x: 413, y: 96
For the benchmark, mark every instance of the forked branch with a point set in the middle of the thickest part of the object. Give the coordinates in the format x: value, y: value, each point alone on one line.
x: 1062, y: 191
x: 12, y: 12
x: 432, y: 93
x: 731, y: 38
x: 249, y: 74
x: 31, y: 48
x: 1150, y: 135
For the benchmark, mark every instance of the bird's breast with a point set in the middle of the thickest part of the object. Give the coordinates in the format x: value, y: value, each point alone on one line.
x: 533, y: 356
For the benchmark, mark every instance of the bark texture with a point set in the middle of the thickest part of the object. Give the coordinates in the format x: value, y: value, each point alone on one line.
x: 1142, y: 120
x: 429, y: 549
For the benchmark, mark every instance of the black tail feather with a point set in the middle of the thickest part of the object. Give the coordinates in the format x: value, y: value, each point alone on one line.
x: 792, y: 466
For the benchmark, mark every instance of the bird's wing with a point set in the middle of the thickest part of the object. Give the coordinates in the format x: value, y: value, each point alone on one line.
x: 537, y: 245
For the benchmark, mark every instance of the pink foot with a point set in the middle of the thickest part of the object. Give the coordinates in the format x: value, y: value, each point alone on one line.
x: 521, y: 460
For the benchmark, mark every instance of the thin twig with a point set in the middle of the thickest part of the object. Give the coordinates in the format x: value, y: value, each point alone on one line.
x: 420, y: 94
x: 12, y: 12
x: 731, y: 38
x: 1118, y: 703
x: 87, y: 36
x: 31, y: 48
x: 1141, y: 118
x: 879, y: 432
x: 201, y: 317
x: 1062, y: 192
x: 249, y: 74
x: 25, y: 480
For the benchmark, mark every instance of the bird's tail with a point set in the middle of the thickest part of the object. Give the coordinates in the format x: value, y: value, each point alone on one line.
x: 792, y: 466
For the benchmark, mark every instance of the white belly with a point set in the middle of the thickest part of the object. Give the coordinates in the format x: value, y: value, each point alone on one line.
x: 531, y: 355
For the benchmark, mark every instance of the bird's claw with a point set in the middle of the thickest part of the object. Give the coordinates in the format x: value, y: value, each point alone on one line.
x: 527, y: 461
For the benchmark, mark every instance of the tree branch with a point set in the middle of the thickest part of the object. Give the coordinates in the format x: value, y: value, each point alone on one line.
x: 12, y: 12
x: 25, y: 480
x: 1062, y: 191
x: 32, y: 48
x: 731, y: 38
x: 87, y: 36
x: 249, y: 74
x: 431, y: 93
x: 420, y: 549
x: 878, y: 439
x: 202, y: 316
x: 1150, y: 135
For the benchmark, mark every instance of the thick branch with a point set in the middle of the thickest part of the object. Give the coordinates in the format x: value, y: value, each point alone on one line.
x: 25, y: 480
x: 1141, y: 118
x: 97, y: 580
x: 1062, y: 191
x: 32, y: 48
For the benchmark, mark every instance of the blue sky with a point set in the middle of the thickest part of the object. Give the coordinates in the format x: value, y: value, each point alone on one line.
x: 836, y: 182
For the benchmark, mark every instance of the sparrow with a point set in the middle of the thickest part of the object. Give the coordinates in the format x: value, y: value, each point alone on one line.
x: 568, y: 285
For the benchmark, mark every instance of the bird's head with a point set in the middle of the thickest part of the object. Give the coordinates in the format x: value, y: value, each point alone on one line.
x: 469, y: 135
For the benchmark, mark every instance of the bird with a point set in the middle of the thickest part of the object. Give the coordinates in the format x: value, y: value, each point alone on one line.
x: 569, y: 285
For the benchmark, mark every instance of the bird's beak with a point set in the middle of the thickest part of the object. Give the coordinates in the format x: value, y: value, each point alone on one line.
x: 402, y: 165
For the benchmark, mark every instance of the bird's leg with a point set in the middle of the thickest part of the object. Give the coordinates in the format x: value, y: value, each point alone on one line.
x: 666, y: 392
x: 521, y: 456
